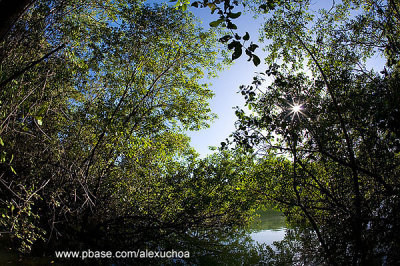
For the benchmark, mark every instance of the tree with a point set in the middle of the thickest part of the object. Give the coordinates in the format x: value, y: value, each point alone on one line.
x: 340, y: 169
x: 10, y: 12
x: 227, y: 15
x: 95, y: 102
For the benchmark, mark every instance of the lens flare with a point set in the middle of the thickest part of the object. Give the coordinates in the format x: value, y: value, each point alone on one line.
x: 296, y: 108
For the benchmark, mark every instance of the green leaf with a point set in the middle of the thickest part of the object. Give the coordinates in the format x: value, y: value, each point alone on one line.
x: 256, y: 60
x: 237, y: 53
x: 1, y: 142
x: 12, y: 170
x: 213, y: 7
x: 39, y: 120
x: 231, y: 26
x: 225, y: 38
x: 216, y: 23
x: 253, y: 47
x: 234, y: 15
x: 181, y: 4
x: 263, y: 7
x: 230, y: 45
x: 234, y: 44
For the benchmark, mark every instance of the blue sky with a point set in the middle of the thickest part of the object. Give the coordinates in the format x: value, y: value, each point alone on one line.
x: 226, y: 86
x: 241, y: 72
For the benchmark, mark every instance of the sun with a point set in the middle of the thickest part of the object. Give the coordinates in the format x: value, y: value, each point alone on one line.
x: 296, y: 108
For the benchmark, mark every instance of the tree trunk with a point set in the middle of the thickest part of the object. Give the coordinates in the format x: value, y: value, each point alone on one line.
x: 10, y: 11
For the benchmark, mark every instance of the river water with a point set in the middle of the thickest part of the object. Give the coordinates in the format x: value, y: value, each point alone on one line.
x: 237, y: 247
x: 268, y: 226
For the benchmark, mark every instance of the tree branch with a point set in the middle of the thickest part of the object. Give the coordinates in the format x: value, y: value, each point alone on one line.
x: 31, y: 65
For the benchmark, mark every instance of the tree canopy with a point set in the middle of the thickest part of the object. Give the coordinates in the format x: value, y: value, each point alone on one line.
x: 95, y: 101
x: 96, y: 97
x: 333, y: 119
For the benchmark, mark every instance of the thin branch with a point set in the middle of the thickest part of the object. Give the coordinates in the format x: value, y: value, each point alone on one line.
x: 31, y: 65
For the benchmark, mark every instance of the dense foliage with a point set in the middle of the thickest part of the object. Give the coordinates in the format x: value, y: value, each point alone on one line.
x: 96, y: 96
x: 95, y: 99
x: 325, y: 129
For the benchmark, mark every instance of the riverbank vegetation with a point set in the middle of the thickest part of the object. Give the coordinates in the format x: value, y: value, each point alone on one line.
x: 95, y: 100
x: 334, y: 118
x: 96, y: 97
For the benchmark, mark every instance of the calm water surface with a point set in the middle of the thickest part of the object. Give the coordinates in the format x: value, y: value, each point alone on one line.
x: 210, y: 248
x: 268, y: 227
